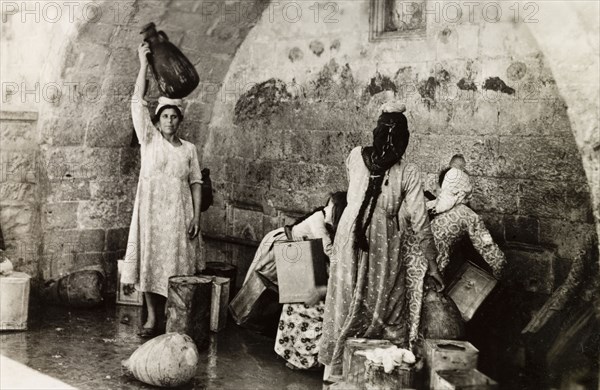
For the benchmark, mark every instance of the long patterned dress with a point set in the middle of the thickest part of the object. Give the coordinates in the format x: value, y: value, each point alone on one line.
x: 158, y: 245
x: 377, y: 293
x: 450, y: 226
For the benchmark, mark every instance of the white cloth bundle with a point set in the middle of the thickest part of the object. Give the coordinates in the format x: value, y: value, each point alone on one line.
x: 389, y: 357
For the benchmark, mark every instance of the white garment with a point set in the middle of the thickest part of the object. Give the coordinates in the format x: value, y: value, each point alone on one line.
x: 456, y: 189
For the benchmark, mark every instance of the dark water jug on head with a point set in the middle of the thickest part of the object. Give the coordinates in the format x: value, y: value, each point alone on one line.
x: 174, y: 73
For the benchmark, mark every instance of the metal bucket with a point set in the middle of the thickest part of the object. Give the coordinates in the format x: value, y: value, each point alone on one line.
x: 14, y: 301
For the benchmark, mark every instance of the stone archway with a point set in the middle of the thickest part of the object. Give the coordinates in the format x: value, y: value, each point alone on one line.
x: 572, y: 51
x: 88, y: 164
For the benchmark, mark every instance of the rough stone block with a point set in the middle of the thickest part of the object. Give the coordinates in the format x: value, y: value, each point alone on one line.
x: 93, y: 215
x: 88, y: 57
x: 106, y: 131
x: 289, y: 200
x: 298, y: 176
x: 116, y: 96
x: 494, y: 195
x: 125, y: 211
x: 17, y: 135
x: 541, y: 157
x: 98, y: 33
x: 109, y: 264
x: 534, y: 114
x: 569, y: 237
x: 17, y: 192
x: 61, y: 215
x: 58, y: 265
x: 298, y: 145
x: 578, y: 203
x: 124, y: 61
x: 79, y: 241
x: 551, y: 199
x: 19, y: 166
x: 116, y: 239
x: 495, y: 224
x: 529, y: 268
x: 123, y: 13
x: 219, y: 251
x: 79, y: 163
x: 68, y: 190
x: 214, y: 221
x: 194, y: 133
x: 256, y: 172
x: 241, y: 257
x: 271, y: 144
x: 250, y: 195
x: 126, y: 36
x: 185, y: 5
x: 522, y: 229
x: 130, y: 161
x: 329, y: 148
x: 473, y: 115
x: 64, y: 130
x: 182, y: 21
x: 117, y: 188
x: 247, y: 224
x: 88, y: 259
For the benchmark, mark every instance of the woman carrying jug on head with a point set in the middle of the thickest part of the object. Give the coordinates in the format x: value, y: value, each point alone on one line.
x: 164, y: 237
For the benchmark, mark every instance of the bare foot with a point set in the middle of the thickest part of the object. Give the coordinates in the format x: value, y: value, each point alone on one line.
x: 149, y: 324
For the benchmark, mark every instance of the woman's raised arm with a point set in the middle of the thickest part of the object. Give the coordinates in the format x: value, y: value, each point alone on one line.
x: 142, y: 122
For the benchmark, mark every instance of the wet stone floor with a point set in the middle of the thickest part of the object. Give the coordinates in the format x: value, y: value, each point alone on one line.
x: 84, y: 349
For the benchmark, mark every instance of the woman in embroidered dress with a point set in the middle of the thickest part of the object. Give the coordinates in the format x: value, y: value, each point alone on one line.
x: 164, y: 237
x: 372, y: 292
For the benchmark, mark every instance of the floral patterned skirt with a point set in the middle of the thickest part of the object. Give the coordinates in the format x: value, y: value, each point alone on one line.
x: 299, y: 332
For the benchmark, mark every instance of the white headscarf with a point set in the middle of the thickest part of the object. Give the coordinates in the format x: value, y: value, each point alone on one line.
x: 165, y: 101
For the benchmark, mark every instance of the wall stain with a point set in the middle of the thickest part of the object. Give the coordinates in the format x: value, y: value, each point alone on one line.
x: 443, y: 76
x: 379, y: 84
x: 466, y: 85
x: 427, y: 90
x: 262, y: 101
x: 498, y: 85
x: 445, y: 34
x: 347, y: 79
x: 325, y: 83
x: 335, y: 45
x: 295, y: 54
x: 317, y: 47
x: 516, y: 71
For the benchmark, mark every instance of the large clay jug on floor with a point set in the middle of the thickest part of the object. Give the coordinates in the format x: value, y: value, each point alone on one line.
x: 174, y: 73
x: 440, y: 317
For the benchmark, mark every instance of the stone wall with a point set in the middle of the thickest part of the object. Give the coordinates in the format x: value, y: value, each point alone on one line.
x: 302, y: 91
x: 81, y: 68
x: 20, y: 189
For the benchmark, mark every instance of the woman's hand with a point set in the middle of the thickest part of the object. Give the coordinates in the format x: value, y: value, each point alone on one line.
x: 143, y: 51
x: 128, y: 289
x: 194, y: 228
x: 317, y: 296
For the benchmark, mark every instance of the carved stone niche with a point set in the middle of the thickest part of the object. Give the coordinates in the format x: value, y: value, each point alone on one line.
x: 396, y: 19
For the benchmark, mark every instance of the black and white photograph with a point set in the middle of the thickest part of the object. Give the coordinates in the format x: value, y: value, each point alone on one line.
x: 300, y: 194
